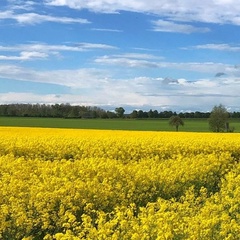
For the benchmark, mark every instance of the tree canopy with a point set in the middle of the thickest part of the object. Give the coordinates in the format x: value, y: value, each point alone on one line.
x: 176, y: 121
x: 120, y: 112
x: 218, y: 118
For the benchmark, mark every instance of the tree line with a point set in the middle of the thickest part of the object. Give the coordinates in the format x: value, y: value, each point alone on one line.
x: 54, y: 110
x: 70, y: 111
x: 218, y: 120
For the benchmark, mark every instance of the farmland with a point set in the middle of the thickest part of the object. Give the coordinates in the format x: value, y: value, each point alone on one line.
x: 111, y: 184
x: 190, y: 125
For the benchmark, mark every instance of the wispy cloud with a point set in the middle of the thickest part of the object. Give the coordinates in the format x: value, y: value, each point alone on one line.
x: 134, y: 55
x: 211, y: 11
x: 71, y: 78
x: 219, y: 47
x: 32, y: 18
x: 134, y: 60
x: 126, y: 62
x: 106, y: 30
x: 22, y: 5
x: 36, y: 51
x: 168, y: 26
x: 148, y: 61
x: 24, y: 56
x: 75, y: 47
x: 86, y: 45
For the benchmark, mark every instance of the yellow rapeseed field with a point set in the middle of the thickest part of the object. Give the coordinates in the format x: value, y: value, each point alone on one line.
x: 96, y: 184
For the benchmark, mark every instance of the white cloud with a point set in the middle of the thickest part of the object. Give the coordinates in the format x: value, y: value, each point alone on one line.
x: 126, y: 62
x: 137, y: 56
x: 25, y: 56
x: 91, y: 100
x: 22, y: 4
x: 6, y: 14
x: 168, y: 26
x: 146, y: 61
x: 41, y: 51
x: 35, y: 18
x: 213, y: 11
x: 95, y: 87
x: 94, y: 46
x: 220, y: 47
x: 133, y: 60
x: 74, y: 47
x: 106, y: 30
x: 71, y: 78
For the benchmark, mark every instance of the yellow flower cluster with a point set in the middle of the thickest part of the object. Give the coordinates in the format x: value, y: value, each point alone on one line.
x: 96, y: 184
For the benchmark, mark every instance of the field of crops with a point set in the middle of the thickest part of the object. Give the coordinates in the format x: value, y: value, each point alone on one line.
x: 190, y: 125
x: 105, y: 184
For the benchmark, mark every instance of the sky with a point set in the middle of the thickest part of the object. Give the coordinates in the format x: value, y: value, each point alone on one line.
x: 179, y: 55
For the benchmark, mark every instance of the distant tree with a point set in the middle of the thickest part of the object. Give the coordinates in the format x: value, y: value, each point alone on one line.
x: 181, y: 115
x: 218, y: 118
x: 197, y: 114
x: 120, y: 112
x: 189, y: 114
x: 145, y: 114
x: 166, y: 114
x: 74, y: 112
x: 111, y: 114
x: 176, y: 121
x: 235, y: 115
x: 140, y: 114
x: 134, y: 114
x: 103, y: 115
x: 150, y: 113
x: 155, y: 114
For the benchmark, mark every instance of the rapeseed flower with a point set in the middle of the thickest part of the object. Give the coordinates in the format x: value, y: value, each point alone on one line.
x: 97, y: 184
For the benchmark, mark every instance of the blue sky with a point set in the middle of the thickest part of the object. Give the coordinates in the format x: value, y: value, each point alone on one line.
x: 155, y: 54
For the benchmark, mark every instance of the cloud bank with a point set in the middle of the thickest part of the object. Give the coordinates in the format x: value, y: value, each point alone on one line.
x: 32, y: 18
x: 98, y: 87
x: 211, y: 11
